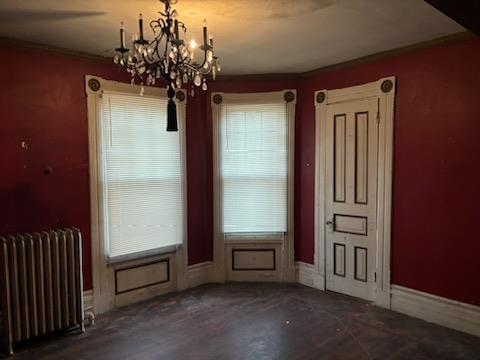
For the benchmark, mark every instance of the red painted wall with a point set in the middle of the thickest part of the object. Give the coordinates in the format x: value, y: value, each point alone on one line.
x: 199, y: 180
x: 44, y: 104
x: 435, y: 243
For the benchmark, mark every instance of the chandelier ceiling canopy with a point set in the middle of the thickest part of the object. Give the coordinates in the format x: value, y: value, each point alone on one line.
x: 168, y: 56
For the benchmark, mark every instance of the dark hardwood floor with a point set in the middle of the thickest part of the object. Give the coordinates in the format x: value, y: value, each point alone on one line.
x: 256, y: 321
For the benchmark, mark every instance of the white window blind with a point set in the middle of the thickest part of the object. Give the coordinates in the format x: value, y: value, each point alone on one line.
x: 142, y: 175
x: 254, y: 169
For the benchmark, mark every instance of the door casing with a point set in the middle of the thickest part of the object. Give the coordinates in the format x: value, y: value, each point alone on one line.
x: 383, y: 90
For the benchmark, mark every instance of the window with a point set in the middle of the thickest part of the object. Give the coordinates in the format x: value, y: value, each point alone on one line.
x: 142, y: 175
x: 253, y: 167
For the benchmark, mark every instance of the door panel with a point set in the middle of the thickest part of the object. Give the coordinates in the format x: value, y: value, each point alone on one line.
x: 350, y: 208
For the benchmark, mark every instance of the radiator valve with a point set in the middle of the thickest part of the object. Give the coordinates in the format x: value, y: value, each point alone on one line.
x: 89, y: 318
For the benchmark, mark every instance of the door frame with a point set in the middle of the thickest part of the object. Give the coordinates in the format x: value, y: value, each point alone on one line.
x: 384, y: 90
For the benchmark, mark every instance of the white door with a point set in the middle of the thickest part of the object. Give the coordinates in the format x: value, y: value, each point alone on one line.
x: 350, y: 207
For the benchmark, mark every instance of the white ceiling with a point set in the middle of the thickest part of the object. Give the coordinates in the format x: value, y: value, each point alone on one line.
x: 251, y: 36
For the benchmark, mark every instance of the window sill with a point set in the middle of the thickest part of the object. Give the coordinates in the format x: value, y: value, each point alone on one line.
x: 165, y: 250
x: 254, y: 238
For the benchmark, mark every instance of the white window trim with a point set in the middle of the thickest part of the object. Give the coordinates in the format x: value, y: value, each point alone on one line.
x: 220, y: 239
x: 104, y: 297
x: 382, y: 291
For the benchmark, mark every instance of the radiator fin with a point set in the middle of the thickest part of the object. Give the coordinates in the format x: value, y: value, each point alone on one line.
x: 47, y: 256
x: 16, y: 307
x: 31, y: 284
x: 22, y: 273
x: 40, y: 282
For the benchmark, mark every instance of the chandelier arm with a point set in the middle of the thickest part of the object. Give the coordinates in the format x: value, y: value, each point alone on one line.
x: 154, y: 24
x: 149, y: 59
x: 158, y: 41
x: 154, y: 43
x: 191, y: 67
x: 143, y: 61
x: 157, y: 46
x: 204, y: 61
x: 196, y: 69
x: 182, y: 25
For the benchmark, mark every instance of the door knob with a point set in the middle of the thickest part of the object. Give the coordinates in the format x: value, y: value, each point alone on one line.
x: 330, y: 224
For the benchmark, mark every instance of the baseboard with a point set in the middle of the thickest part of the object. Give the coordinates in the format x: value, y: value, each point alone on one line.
x: 199, y: 274
x: 436, y: 309
x: 307, y: 275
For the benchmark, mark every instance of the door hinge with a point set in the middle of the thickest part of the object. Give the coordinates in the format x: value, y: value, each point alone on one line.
x: 375, y: 276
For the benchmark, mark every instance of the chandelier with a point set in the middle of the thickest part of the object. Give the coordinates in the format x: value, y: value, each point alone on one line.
x: 167, y: 56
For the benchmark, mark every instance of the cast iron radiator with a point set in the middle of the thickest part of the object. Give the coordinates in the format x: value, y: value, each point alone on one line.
x: 41, y: 284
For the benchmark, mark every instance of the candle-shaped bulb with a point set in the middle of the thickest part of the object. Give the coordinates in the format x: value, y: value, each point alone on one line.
x: 176, y: 29
x: 140, y: 25
x: 193, y: 44
x: 205, y: 35
x: 122, y: 35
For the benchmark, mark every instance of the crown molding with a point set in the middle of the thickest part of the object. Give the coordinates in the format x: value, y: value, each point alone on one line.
x: 54, y: 49
x: 464, y: 35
